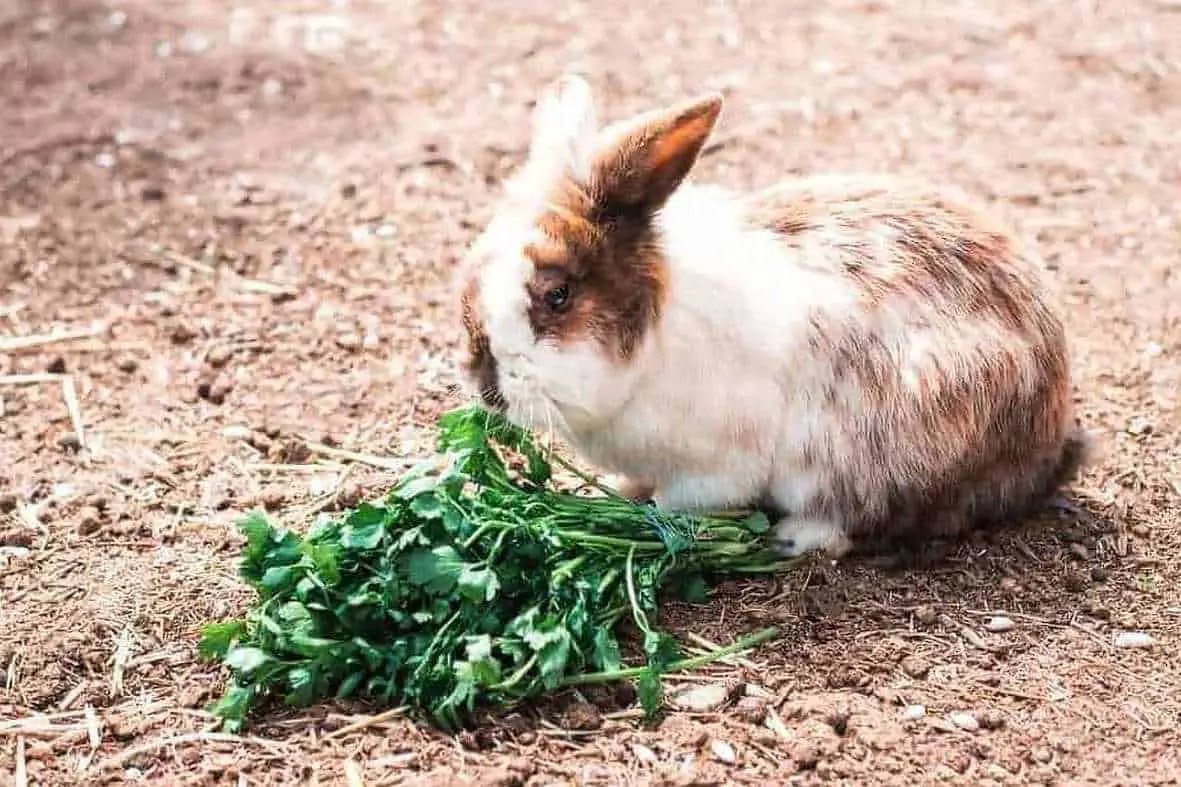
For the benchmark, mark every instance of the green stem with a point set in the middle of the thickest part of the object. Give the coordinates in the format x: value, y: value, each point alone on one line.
x: 516, y: 677
x: 637, y: 613
x: 587, y: 479
x: 746, y: 643
x: 563, y: 572
x: 590, y: 539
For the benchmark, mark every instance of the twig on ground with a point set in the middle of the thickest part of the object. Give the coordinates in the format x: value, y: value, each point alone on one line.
x: 38, y: 341
x: 248, y: 285
x: 384, y: 462
x: 370, y: 721
x: 733, y: 661
x: 69, y: 394
x: 128, y: 755
x: 73, y: 694
x: 20, y: 776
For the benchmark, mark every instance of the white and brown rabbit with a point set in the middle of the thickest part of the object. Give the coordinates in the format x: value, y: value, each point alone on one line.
x: 866, y: 358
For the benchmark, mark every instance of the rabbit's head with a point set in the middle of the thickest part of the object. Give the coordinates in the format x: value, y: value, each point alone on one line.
x: 568, y: 279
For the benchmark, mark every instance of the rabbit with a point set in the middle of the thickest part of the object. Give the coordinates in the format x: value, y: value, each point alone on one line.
x: 866, y: 357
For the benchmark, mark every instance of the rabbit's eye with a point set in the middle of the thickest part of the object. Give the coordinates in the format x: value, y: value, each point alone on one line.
x: 558, y: 298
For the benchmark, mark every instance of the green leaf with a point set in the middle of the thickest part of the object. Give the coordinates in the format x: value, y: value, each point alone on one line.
x: 661, y: 649
x: 218, y: 638
x: 233, y: 706
x: 363, y: 528
x: 258, y: 532
x: 415, y: 486
x: 411, y: 537
x: 325, y: 559
x: 650, y: 691
x: 427, y: 506
x: 553, y: 657
x: 606, y: 652
x: 437, y: 569
x: 302, y: 685
x: 276, y: 578
x: 479, y: 648
x: 246, y: 660
x: 757, y: 523
x: 478, y: 584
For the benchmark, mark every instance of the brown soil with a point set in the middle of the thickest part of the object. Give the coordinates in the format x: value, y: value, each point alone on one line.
x: 258, y: 212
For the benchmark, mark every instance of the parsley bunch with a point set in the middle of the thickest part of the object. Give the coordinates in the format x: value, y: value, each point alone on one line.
x: 471, y: 583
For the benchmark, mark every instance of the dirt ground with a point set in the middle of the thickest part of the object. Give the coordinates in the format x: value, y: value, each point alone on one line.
x: 240, y: 221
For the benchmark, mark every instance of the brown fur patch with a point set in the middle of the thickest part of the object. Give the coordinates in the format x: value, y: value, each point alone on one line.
x: 481, y: 362
x: 610, y: 268
x: 901, y: 245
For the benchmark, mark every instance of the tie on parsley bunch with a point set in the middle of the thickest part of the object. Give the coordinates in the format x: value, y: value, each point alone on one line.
x: 472, y: 583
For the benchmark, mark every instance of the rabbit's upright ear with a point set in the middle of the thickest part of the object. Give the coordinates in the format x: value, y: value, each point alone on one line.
x: 642, y: 161
x: 564, y: 127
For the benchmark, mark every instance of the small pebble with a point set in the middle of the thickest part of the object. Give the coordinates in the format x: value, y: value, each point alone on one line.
x: 914, y: 712
x: 1099, y: 574
x: 1075, y: 581
x: 915, y: 667
x: 1079, y: 552
x: 965, y: 721
x: 216, y: 390
x: 644, y: 754
x: 1042, y: 755
x: 219, y: 356
x: 1140, y: 530
x: 183, y: 334
x: 582, y: 716
x: 348, y: 341
x: 1010, y: 585
x: 752, y: 710
x: 127, y: 364
x: 998, y: 624
x: 89, y: 521
x: 926, y: 615
x: 990, y: 720
x: 273, y: 499
x: 702, y: 699
x: 1096, y: 610
x: 1133, y: 639
x: 68, y: 441
x: 57, y: 366
x: 236, y: 432
x: 723, y: 751
x: 8, y: 502
x: 1139, y: 427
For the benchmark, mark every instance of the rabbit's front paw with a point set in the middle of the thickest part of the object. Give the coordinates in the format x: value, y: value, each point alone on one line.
x: 636, y: 490
x: 795, y: 536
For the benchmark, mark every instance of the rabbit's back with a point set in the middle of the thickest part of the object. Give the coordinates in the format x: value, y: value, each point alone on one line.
x: 945, y: 393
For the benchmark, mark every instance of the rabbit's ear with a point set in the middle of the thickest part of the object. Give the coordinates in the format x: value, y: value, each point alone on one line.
x: 564, y: 127
x: 647, y: 157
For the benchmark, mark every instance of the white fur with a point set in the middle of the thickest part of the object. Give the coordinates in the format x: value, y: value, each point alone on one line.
x: 699, y: 412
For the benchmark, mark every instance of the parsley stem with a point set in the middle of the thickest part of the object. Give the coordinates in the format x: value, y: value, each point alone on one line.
x: 637, y: 613
x: 684, y: 665
x: 516, y: 677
